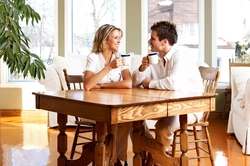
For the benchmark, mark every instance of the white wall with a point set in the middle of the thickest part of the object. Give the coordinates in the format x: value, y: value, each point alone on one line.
x: 19, y: 97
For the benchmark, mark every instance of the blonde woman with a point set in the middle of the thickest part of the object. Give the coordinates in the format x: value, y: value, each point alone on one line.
x: 104, y: 69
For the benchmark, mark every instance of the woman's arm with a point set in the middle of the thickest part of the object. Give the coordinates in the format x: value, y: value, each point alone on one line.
x: 126, y: 81
x: 91, y: 80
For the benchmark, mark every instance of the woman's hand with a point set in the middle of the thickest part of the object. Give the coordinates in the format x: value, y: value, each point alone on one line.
x: 98, y: 86
x: 115, y: 63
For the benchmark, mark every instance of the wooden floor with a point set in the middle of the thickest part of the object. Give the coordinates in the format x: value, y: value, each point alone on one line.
x: 26, y: 141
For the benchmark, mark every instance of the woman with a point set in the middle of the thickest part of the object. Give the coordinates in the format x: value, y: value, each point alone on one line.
x: 104, y: 69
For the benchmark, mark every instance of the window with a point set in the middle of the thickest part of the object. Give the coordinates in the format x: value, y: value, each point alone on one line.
x: 184, y: 14
x: 86, y: 17
x: 233, y: 23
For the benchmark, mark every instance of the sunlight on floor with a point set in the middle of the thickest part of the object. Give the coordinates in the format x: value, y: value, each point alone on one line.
x: 220, y: 159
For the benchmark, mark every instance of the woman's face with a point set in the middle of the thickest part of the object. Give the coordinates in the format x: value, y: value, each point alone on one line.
x: 114, y: 41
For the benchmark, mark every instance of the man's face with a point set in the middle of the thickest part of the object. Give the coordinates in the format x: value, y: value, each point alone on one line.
x: 154, y: 42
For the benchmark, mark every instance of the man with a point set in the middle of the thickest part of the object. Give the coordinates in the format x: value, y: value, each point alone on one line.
x: 176, y: 70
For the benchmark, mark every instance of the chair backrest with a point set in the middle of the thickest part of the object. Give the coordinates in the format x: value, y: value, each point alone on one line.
x: 73, y: 82
x: 210, y: 77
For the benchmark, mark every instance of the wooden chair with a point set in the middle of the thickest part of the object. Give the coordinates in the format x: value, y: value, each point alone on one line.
x: 76, y: 81
x: 210, y: 78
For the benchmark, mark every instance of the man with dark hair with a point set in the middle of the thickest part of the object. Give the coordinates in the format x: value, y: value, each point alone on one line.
x: 176, y: 70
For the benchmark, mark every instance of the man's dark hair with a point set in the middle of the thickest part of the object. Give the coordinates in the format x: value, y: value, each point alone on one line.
x: 166, y: 30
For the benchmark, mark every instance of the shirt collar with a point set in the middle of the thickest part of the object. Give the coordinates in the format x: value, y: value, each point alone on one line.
x: 170, y: 52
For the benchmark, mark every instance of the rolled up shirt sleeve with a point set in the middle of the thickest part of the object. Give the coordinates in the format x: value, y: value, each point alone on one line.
x: 137, y: 78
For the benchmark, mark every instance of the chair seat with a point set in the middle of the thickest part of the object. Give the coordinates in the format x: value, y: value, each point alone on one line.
x: 200, y: 124
x: 84, y: 123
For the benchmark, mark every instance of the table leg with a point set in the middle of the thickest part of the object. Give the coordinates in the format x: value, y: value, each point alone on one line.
x: 100, y: 148
x: 111, y: 145
x: 137, y: 160
x: 61, y: 139
x: 157, y: 150
x: 184, y: 139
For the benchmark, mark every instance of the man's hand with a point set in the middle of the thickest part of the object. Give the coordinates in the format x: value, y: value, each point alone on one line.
x: 144, y: 64
x: 145, y: 82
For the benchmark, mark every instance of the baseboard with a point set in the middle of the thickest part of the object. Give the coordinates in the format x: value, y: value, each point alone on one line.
x: 12, y: 112
x: 217, y: 115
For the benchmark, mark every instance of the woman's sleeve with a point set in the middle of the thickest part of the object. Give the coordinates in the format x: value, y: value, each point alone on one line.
x: 90, y: 65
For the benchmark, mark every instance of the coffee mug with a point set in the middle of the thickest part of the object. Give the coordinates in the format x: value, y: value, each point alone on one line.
x: 126, y: 60
x: 153, y: 58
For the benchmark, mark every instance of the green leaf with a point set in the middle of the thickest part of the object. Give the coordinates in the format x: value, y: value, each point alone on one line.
x: 23, y: 59
x: 37, y: 17
x: 15, y: 48
x: 34, y: 74
x: 25, y: 71
x: 6, y: 34
x: 12, y: 67
x: 17, y: 39
x: 25, y: 49
x: 2, y: 29
x: 39, y: 73
x: 3, y: 45
x: 9, y: 53
x: 14, y: 24
x: 32, y: 67
x: 11, y: 12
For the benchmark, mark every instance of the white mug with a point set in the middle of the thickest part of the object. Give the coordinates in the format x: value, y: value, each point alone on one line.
x: 153, y: 58
x: 126, y: 60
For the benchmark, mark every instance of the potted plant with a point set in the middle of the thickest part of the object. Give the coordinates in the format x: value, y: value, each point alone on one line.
x: 14, y: 45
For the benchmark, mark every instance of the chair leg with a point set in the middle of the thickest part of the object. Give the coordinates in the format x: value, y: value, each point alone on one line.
x: 93, y: 133
x: 74, y: 142
x: 196, y: 143
x: 93, y: 139
x: 209, y: 146
x: 174, y: 144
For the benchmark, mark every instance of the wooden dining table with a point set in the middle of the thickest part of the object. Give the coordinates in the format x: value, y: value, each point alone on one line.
x: 108, y: 107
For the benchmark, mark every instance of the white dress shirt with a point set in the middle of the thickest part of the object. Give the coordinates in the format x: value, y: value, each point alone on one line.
x: 96, y: 62
x: 179, y: 73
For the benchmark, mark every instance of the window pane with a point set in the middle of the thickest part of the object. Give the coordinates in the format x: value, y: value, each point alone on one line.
x: 87, y: 17
x: 233, y: 22
x: 41, y: 35
x: 183, y: 13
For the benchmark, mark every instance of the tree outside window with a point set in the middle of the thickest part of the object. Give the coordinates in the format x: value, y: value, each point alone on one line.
x: 87, y: 17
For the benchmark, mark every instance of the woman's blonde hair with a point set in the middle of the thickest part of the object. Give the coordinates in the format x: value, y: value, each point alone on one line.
x: 101, y: 36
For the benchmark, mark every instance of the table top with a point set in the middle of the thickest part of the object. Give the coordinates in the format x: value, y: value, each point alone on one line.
x: 123, y: 105
x: 122, y: 97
